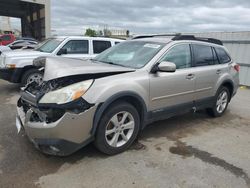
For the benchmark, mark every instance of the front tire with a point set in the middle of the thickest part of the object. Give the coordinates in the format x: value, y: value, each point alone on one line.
x: 31, y: 75
x: 221, y: 103
x: 118, y: 128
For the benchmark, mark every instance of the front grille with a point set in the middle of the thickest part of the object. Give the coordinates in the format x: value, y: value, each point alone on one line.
x: 49, y: 116
x: 37, y: 115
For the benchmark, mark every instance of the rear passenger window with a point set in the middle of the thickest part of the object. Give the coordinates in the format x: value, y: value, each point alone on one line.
x: 179, y: 55
x: 222, y: 55
x: 203, y: 55
x: 77, y: 47
x: 99, y: 46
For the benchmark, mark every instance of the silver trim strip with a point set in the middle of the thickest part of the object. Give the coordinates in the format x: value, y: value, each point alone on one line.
x: 203, y: 89
x: 183, y: 93
x: 173, y: 95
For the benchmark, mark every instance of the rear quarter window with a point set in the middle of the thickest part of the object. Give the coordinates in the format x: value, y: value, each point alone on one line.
x: 222, y: 55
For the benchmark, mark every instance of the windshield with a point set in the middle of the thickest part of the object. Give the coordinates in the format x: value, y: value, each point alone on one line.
x: 49, y: 45
x: 135, y: 54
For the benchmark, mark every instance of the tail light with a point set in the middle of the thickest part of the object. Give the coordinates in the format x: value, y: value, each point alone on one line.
x: 237, y: 67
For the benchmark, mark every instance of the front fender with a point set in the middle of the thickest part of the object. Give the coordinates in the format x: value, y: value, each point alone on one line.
x: 99, y: 112
x: 106, y: 90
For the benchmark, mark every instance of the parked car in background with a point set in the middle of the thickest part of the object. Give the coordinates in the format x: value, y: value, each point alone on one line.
x: 111, y: 98
x: 17, y: 66
x: 23, y: 44
x: 6, y: 39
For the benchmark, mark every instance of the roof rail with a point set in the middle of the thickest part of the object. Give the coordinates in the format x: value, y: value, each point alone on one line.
x: 192, y: 37
x: 179, y: 36
x: 156, y: 35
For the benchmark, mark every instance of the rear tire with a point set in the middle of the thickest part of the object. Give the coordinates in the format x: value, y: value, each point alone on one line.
x: 118, y: 128
x: 30, y: 76
x: 221, y: 103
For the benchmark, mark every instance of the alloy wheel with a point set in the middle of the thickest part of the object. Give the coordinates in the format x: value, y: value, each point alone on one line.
x: 222, y: 101
x: 119, y: 129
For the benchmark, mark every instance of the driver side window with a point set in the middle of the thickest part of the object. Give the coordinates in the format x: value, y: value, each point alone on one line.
x: 180, y: 55
x: 77, y: 47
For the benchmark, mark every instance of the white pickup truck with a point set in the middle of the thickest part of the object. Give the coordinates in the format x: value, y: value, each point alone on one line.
x: 17, y: 66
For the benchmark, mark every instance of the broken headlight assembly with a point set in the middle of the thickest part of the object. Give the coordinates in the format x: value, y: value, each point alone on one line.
x: 66, y: 94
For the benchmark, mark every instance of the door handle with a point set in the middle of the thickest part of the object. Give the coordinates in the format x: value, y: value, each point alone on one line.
x: 218, y: 71
x: 190, y: 76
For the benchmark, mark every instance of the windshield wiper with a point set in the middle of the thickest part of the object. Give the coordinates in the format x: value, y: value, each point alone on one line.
x: 112, y: 63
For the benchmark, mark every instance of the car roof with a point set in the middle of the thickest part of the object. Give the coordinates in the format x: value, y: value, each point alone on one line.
x: 86, y: 37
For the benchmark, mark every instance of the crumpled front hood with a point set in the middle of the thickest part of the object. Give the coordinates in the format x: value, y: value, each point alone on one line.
x: 58, y: 67
x: 24, y: 53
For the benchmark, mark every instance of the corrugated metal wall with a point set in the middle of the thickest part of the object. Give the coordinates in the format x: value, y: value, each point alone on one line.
x: 238, y: 44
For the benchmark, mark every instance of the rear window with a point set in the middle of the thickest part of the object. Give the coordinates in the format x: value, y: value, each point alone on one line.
x: 222, y: 55
x: 203, y: 55
x: 99, y: 46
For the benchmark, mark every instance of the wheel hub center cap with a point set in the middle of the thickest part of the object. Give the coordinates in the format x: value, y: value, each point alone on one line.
x: 119, y: 128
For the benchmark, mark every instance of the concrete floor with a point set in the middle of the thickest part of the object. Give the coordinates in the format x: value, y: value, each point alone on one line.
x: 193, y: 150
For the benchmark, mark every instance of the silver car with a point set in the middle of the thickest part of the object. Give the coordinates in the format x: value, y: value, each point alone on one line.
x: 109, y: 99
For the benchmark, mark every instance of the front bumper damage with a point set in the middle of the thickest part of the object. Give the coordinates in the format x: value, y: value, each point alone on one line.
x: 56, y: 130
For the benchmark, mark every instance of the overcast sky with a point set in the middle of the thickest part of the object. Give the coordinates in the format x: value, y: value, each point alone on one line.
x: 150, y: 16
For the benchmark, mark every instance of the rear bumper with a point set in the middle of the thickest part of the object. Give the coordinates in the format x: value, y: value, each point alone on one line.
x: 236, y: 85
x: 63, y: 137
x: 11, y: 75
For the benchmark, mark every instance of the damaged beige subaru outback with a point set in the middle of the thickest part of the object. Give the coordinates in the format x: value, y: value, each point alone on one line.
x: 110, y: 98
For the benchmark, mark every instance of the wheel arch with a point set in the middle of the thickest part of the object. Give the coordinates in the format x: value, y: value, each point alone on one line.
x: 25, y: 69
x: 128, y: 96
x: 228, y: 84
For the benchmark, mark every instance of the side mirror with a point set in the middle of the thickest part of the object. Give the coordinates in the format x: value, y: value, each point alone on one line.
x: 62, y: 51
x: 166, y: 66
